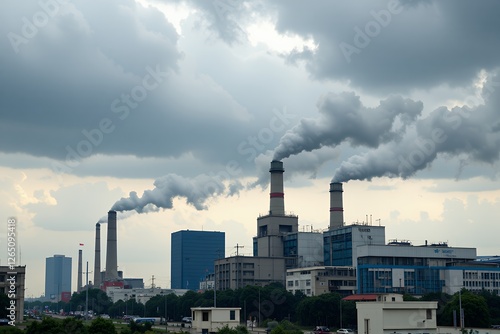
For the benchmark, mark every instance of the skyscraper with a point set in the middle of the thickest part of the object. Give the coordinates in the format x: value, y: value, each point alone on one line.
x: 57, y: 277
x: 192, y: 256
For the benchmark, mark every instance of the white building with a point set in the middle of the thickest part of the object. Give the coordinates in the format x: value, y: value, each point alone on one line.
x: 211, y: 319
x: 314, y: 281
x: 390, y: 314
x: 140, y: 295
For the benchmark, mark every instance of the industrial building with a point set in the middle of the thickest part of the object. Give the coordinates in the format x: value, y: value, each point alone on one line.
x: 313, y: 281
x: 192, y: 256
x: 12, y: 284
x: 238, y: 271
x: 396, y: 266
x: 57, y: 278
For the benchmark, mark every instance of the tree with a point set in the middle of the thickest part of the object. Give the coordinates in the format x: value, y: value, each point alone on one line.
x: 102, y: 326
x: 51, y: 326
x: 476, y: 312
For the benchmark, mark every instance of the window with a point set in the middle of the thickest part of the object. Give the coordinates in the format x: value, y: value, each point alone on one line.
x: 429, y: 314
x: 232, y: 315
x: 205, y: 316
x: 296, y: 283
x: 290, y: 283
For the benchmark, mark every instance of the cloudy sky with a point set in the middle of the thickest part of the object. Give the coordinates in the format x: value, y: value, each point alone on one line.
x: 171, y: 111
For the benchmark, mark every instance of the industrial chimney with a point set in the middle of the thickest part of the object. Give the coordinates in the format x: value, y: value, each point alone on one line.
x: 336, y: 206
x: 80, y: 272
x: 111, y: 249
x: 277, y: 200
x: 97, y: 256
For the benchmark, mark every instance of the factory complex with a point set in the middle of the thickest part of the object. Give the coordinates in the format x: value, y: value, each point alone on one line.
x: 347, y: 259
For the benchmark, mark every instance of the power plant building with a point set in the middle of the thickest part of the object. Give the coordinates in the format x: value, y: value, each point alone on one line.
x: 192, y: 256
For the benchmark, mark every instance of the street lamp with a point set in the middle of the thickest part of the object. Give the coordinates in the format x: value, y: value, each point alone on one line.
x: 340, y: 303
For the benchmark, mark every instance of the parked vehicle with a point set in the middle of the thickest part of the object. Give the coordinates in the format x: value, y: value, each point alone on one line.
x: 187, y: 320
x: 345, y: 331
x: 321, y: 330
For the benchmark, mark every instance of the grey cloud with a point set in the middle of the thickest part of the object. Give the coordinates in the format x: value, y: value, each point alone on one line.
x: 400, y: 52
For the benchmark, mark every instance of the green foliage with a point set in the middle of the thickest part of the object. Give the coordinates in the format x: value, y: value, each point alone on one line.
x: 236, y: 330
x: 52, y: 326
x: 10, y: 330
x: 102, y: 326
x: 286, y: 327
x: 140, y: 328
x: 475, y: 309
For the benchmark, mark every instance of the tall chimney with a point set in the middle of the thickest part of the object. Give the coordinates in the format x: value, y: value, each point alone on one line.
x: 80, y: 272
x: 277, y: 201
x: 97, y: 256
x: 336, y: 206
x: 111, y: 249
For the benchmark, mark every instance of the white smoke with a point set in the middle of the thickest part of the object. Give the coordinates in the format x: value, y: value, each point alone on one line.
x: 470, y: 133
x: 343, y: 118
x: 195, y: 190
x: 401, y: 141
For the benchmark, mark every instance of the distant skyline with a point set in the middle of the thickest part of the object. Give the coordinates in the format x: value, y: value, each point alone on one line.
x: 171, y: 111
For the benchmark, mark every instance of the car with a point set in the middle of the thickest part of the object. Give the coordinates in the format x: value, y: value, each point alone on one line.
x: 187, y: 319
x: 321, y: 330
x: 345, y: 331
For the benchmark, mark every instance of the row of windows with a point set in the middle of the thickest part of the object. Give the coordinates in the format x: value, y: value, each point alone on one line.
x: 482, y: 275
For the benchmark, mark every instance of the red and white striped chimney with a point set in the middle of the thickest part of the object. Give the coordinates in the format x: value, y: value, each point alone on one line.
x: 277, y: 196
x: 336, y: 205
x: 111, y: 249
x: 97, y: 256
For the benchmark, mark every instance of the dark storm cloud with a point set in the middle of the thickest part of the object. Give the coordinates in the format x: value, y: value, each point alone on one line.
x: 107, y: 79
x: 388, y: 46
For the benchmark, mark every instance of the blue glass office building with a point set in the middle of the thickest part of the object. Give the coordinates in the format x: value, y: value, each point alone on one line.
x: 57, y: 276
x: 192, y: 256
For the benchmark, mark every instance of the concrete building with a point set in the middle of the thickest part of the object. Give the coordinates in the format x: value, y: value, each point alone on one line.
x: 57, y: 277
x: 402, y: 268
x: 303, y: 249
x: 140, y: 295
x: 313, y: 281
x: 239, y: 271
x: 341, y: 244
x: 390, y: 314
x: 12, y: 283
x: 210, y: 319
x: 192, y: 256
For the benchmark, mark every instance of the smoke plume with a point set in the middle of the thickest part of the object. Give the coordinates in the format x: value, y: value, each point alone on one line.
x: 195, y: 190
x: 401, y: 144
x: 471, y: 133
x: 343, y: 118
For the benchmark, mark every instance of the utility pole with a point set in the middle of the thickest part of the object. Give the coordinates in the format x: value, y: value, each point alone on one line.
x: 87, y: 291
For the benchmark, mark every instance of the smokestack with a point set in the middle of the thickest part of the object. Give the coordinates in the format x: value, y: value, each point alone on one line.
x: 97, y: 256
x: 111, y: 249
x: 336, y: 206
x: 277, y: 200
x: 80, y: 272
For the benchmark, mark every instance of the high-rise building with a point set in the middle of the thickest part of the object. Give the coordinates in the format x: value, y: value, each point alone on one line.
x: 192, y: 256
x: 57, y: 277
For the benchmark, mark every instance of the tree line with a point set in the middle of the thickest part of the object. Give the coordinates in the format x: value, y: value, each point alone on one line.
x: 275, y: 303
